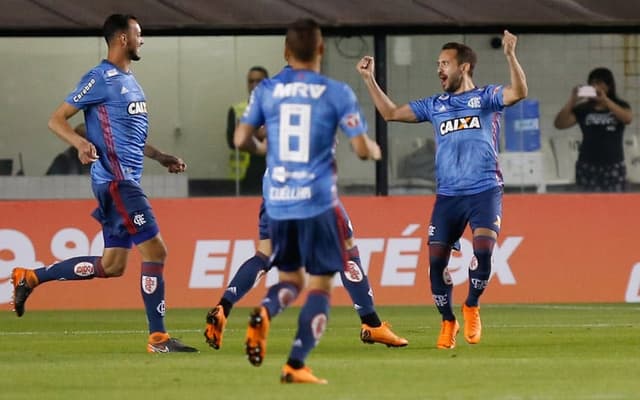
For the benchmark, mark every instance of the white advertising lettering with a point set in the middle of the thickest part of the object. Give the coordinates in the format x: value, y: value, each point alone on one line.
x: 633, y: 288
x: 16, y: 248
x: 216, y: 261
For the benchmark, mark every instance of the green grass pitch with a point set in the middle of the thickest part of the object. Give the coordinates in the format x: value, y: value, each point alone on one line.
x: 586, y: 351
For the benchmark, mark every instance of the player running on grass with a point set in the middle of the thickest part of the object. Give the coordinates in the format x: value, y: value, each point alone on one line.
x: 301, y: 110
x: 373, y: 330
x: 466, y: 121
x: 115, y: 112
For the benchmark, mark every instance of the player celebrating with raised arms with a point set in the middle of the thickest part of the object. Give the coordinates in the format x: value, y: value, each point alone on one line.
x: 469, y: 182
x: 301, y: 110
x: 115, y: 112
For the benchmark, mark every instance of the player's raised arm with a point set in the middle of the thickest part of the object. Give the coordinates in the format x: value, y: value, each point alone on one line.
x: 59, y: 124
x: 518, y: 89
x: 386, y: 107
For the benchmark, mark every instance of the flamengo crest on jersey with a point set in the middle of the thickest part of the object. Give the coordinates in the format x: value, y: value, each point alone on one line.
x: 301, y: 110
x: 467, y: 134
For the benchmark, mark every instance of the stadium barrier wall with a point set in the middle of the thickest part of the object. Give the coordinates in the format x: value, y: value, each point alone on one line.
x: 552, y: 249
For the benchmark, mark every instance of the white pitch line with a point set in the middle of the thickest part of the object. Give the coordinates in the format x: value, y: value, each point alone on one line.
x: 626, y: 306
x: 138, y: 332
x: 97, y: 333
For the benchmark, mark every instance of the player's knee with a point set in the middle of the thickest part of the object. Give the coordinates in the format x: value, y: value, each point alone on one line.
x: 264, y: 247
x: 157, y: 253
x: 114, y: 269
x: 439, y: 255
x: 349, y: 243
x: 162, y: 253
x: 321, y: 283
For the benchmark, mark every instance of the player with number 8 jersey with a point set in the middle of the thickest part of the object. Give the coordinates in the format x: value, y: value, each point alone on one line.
x: 301, y: 110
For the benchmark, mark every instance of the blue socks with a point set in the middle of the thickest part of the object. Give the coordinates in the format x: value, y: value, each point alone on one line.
x: 312, y: 323
x: 72, y: 269
x: 279, y: 296
x: 357, y: 284
x: 243, y: 281
x: 441, y: 288
x: 480, y: 271
x: 152, y: 289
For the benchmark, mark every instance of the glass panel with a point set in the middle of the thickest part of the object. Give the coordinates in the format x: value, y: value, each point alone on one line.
x: 191, y: 82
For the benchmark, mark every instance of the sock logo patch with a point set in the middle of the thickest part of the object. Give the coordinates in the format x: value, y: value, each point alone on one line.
x: 318, y: 325
x: 441, y: 300
x: 446, y: 277
x: 479, y: 283
x: 162, y: 308
x: 83, y: 269
x: 149, y: 284
x: 473, y: 264
x: 353, y: 272
x: 285, y: 296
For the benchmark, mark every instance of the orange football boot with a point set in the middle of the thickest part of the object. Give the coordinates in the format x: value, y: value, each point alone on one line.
x: 256, y: 338
x: 216, y: 321
x: 448, y: 332
x: 472, y: 324
x: 382, y: 334
x: 302, y: 375
x: 24, y: 281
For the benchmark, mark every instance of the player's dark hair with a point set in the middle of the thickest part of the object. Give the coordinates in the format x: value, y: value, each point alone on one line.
x: 259, y: 68
x: 116, y: 23
x: 302, y: 39
x: 464, y: 54
x: 605, y: 76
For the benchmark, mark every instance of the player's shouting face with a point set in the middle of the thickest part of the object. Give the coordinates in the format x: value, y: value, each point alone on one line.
x: 449, y: 71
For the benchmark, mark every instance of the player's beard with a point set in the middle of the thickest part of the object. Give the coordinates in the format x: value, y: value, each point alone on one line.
x: 455, y: 81
x: 133, y: 55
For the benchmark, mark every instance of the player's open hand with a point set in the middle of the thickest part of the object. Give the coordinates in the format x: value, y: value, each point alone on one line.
x: 365, y: 67
x: 87, y: 153
x: 509, y: 41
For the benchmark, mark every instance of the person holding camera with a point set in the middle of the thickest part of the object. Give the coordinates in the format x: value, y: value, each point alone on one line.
x: 602, y: 117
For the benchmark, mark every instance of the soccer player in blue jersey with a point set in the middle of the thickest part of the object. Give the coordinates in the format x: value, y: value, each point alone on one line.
x: 301, y: 110
x: 355, y: 281
x: 466, y: 121
x: 115, y: 112
x: 353, y: 277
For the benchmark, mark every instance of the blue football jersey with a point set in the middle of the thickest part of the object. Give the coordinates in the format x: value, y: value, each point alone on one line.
x: 115, y: 112
x: 467, y: 135
x: 301, y: 110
